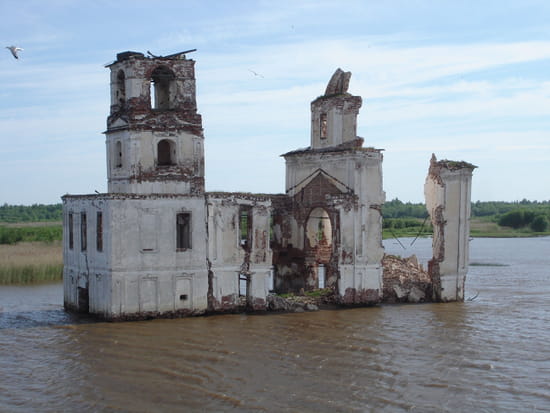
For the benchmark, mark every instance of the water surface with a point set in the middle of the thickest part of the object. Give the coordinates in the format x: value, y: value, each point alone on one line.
x: 491, y: 354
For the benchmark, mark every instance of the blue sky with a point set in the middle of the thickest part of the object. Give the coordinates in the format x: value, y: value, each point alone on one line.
x: 466, y: 80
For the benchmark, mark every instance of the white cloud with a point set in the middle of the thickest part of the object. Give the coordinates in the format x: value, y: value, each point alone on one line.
x: 460, y: 100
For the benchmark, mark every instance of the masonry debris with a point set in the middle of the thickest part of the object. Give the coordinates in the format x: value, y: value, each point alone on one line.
x: 158, y: 245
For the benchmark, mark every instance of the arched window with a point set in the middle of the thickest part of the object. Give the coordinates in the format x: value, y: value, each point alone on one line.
x: 162, y: 88
x: 118, y: 154
x: 120, y: 88
x: 166, y: 153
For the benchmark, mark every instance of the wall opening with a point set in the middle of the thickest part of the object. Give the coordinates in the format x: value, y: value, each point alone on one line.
x: 245, y: 227
x: 271, y: 279
x: 183, y: 231
x: 244, y: 283
x: 118, y: 154
x: 71, y: 233
x: 321, y: 275
x: 166, y: 153
x: 83, y: 232
x: 162, y: 85
x: 120, y: 88
x: 99, y: 231
x: 83, y: 300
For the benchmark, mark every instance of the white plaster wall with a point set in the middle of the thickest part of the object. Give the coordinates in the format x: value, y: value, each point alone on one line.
x: 139, y: 154
x: 453, y: 193
x: 126, y: 279
x: 90, y: 267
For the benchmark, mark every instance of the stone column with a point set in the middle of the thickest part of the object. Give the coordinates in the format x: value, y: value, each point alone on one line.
x: 447, y: 191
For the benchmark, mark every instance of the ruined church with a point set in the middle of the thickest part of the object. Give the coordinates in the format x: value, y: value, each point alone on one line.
x: 157, y: 244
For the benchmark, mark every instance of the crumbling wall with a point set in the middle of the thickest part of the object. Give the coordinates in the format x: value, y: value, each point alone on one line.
x: 448, y: 192
x: 236, y: 253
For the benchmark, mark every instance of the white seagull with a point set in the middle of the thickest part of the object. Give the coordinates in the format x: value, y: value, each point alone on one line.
x: 14, y: 50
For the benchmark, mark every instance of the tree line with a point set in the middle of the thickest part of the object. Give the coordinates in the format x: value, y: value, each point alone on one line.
x: 30, y: 213
x: 534, y: 215
x: 397, y: 214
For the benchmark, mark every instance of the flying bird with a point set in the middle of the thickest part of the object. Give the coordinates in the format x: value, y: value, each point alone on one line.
x: 14, y: 50
x: 255, y: 73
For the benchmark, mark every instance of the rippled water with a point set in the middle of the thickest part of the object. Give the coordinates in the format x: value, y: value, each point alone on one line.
x: 491, y: 354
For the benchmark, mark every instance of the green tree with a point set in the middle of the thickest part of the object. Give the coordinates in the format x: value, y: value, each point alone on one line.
x: 514, y: 219
x: 540, y: 224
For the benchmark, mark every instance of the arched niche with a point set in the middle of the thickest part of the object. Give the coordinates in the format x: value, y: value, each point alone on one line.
x: 166, y: 152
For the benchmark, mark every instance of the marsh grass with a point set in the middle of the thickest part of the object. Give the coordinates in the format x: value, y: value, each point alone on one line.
x: 30, y: 262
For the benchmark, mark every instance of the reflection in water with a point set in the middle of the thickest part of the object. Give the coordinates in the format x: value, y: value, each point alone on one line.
x: 490, y: 354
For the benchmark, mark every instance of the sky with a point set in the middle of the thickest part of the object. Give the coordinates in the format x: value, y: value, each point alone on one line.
x: 466, y: 80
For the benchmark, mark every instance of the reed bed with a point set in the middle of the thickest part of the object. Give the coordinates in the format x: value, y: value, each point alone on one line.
x: 30, y: 262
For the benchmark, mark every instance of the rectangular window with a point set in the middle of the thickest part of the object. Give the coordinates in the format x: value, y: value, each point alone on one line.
x: 323, y: 126
x: 99, y: 231
x: 183, y: 231
x: 83, y: 232
x: 71, y: 233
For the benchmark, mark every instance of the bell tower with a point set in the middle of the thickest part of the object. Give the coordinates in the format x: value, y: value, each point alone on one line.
x: 154, y: 136
x: 334, y: 115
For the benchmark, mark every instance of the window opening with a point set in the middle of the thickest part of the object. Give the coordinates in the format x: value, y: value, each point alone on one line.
x: 164, y: 153
x: 83, y: 232
x: 71, y: 233
x: 118, y: 154
x: 183, y: 231
x: 121, y: 87
x: 323, y: 126
x: 245, y: 227
x: 162, y: 83
x: 99, y: 231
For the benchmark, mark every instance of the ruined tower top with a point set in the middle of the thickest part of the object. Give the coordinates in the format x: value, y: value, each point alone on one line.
x: 338, y: 83
x: 154, y: 133
x: 144, y: 87
x: 334, y: 114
